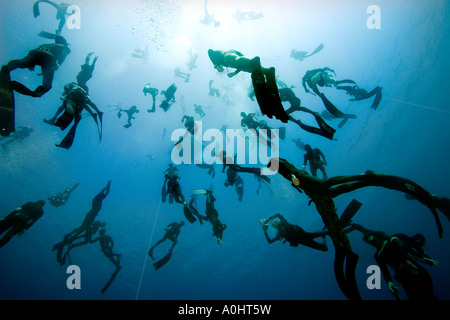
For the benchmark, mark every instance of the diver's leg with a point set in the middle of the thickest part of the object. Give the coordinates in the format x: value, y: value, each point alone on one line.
x: 6, y: 223
x: 275, y: 101
x: 350, y: 268
x: 378, y: 97
x: 333, y: 110
x: 313, y: 169
x: 339, y: 257
x: 326, y: 208
x: 29, y: 62
x: 309, y: 241
x: 325, y: 130
x: 11, y: 233
x: 324, y: 173
x: 47, y: 81
x: 150, y: 251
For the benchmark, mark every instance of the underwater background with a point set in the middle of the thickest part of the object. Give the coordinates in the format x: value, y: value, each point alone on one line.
x: 408, y: 136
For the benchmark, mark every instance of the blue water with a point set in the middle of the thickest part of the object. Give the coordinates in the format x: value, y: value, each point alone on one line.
x: 408, y: 135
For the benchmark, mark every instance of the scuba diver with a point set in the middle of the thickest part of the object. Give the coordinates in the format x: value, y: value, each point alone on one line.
x: 130, y: 112
x: 251, y: 122
x: 49, y: 57
x: 263, y: 80
x: 171, y: 186
x: 75, y: 100
x: 107, y: 244
x: 211, y: 214
x: 301, y: 55
x: 299, y: 144
x: 183, y: 75
x: 171, y: 177
x: 213, y: 91
x: 87, y: 222
x: 61, y: 197
x: 153, y: 92
x: 316, y: 160
x: 193, y: 55
x: 169, y: 95
x: 199, y: 110
x: 403, y: 254
x: 191, y: 127
x: 20, y: 220
x: 86, y: 72
x: 208, y: 19
x: 359, y: 94
x: 293, y: 234
x: 61, y: 12
x: 88, y: 234
x: 324, y: 78
x: 247, y: 15
x: 140, y: 54
x: 322, y: 192
x: 172, y: 233
x: 233, y: 177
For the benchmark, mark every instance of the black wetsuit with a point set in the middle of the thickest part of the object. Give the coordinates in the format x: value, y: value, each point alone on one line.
x: 315, y: 156
x: 295, y: 235
x: 20, y: 220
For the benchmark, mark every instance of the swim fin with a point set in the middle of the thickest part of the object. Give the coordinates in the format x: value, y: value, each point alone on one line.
x: 319, y: 48
x: 63, y: 121
x: 377, y: 100
x: 67, y: 142
x: 350, y: 268
x: 260, y: 88
x: 47, y: 35
x: 158, y: 264
x: 333, y: 110
x: 199, y: 192
x: 350, y: 212
x: 74, y: 187
x: 113, y: 276
x: 339, y: 274
x: 187, y: 209
x: 36, y: 12
x: 275, y: 101
x: 443, y: 204
x: 342, y: 123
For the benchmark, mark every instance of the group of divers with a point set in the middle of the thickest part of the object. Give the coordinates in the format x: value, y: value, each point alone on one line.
x: 404, y: 254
